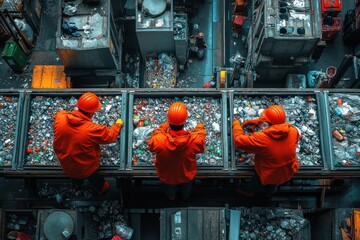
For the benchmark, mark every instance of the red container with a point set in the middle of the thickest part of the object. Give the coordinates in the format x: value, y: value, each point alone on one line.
x: 330, y: 28
x: 331, y: 7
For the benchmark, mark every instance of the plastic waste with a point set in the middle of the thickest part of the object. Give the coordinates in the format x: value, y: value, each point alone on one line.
x: 123, y: 231
x: 25, y: 28
x: 142, y: 134
x: 69, y: 10
x: 215, y: 127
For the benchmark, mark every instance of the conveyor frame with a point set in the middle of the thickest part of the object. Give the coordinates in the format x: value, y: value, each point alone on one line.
x: 320, y: 113
x: 328, y: 131
x: 179, y: 93
x: 226, y: 172
x: 64, y: 93
x: 20, y: 95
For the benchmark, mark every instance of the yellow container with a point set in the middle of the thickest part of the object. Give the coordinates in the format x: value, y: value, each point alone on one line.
x: 49, y: 76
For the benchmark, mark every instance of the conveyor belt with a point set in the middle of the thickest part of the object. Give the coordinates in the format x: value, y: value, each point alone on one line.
x: 228, y: 168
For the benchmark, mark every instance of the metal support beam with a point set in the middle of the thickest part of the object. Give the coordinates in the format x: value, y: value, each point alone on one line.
x: 234, y: 230
x: 8, y: 27
x: 341, y: 70
x: 356, y: 82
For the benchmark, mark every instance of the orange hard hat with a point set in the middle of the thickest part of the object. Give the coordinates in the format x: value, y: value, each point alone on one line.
x: 274, y: 115
x: 89, y: 102
x: 177, y: 114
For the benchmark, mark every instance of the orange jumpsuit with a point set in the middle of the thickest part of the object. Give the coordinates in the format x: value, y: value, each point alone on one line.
x: 176, y: 151
x: 274, y: 149
x: 77, y: 142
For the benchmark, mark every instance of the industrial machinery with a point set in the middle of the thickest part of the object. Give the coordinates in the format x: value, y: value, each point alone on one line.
x: 331, y: 7
x: 331, y: 26
x: 89, y: 39
x: 154, y: 20
x: 331, y: 23
x: 283, y: 37
x: 239, y: 15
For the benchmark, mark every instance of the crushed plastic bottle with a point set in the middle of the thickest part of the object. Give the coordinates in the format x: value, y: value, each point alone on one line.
x: 301, y: 112
x: 153, y: 112
x: 39, y: 150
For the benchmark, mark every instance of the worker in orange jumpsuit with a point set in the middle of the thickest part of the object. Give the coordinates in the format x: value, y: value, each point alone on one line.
x: 274, y: 148
x: 176, y: 151
x: 77, y: 142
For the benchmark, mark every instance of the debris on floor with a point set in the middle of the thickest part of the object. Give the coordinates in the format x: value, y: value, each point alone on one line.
x: 107, y: 217
x: 59, y: 193
x: 273, y: 223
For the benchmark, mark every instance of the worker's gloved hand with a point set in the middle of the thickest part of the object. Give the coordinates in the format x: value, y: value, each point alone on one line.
x: 199, y: 126
x: 120, y: 121
x: 236, y: 122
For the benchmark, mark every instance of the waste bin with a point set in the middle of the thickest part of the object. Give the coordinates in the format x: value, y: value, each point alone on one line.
x: 14, y: 56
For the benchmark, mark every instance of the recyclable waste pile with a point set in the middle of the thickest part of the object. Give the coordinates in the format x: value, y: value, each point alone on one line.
x: 345, y: 125
x: 131, y: 70
x: 186, y: 82
x: 180, y: 27
x: 271, y: 223
x: 161, y: 72
x: 301, y: 112
x: 106, y: 217
x: 149, y: 113
x: 8, y: 111
x: 41, y: 135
